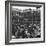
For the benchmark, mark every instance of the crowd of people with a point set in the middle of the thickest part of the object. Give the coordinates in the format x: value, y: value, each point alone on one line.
x: 26, y: 24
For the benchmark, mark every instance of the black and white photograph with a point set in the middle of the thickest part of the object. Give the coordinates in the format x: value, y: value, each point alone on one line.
x: 25, y: 22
